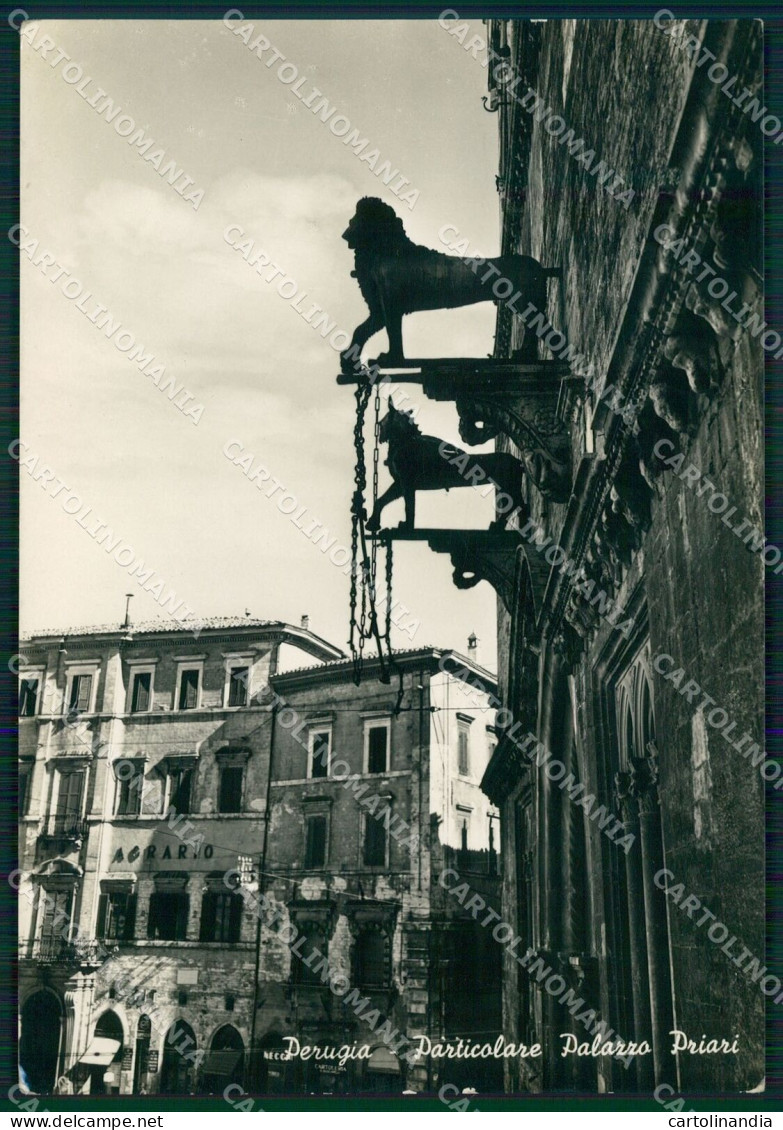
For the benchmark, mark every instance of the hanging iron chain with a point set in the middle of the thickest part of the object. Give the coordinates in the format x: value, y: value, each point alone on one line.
x: 375, y: 456
x: 358, y: 624
x: 393, y: 665
x: 364, y: 561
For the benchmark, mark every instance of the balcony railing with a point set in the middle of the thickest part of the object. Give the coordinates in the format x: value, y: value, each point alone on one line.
x: 58, y: 951
x: 66, y: 827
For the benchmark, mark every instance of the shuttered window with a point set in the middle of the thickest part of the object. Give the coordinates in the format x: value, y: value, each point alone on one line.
x: 81, y: 690
x: 238, y: 681
x: 69, y: 802
x: 28, y: 697
x: 180, y: 788
x: 117, y: 916
x: 221, y: 917
x: 168, y: 916
x: 140, y: 695
x: 230, y: 798
x: 377, y: 751
x: 130, y: 790
x: 55, y: 924
x: 374, y: 842
x: 315, y: 846
x: 188, y: 689
x: 69, y: 794
x: 463, y: 750
x: 25, y: 777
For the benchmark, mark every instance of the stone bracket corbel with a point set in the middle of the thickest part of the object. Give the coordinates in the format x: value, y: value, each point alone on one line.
x: 522, y: 400
x: 483, y: 555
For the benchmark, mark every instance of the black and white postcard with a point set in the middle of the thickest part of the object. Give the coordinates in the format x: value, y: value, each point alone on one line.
x: 393, y: 561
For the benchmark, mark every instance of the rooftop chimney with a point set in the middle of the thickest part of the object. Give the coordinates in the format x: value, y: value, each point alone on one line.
x: 473, y: 647
x: 128, y: 599
x: 305, y: 623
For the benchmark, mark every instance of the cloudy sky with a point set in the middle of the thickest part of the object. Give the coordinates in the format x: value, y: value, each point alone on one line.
x: 264, y: 377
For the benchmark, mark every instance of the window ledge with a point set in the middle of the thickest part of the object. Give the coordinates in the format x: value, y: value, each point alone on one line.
x: 165, y: 943
x: 157, y: 817
x: 339, y: 780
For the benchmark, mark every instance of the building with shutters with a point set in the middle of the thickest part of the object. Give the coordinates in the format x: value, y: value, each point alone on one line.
x: 168, y: 781
x: 367, y: 808
x: 143, y: 760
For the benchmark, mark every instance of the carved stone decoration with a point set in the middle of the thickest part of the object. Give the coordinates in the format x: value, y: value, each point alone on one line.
x: 615, y: 535
x: 644, y: 783
x: 516, y: 399
x: 583, y: 608
x: 582, y: 617
x: 605, y: 549
x: 484, y: 555
x: 507, y: 768
x: 319, y: 914
x: 703, y: 305
x: 732, y: 253
x: 698, y: 357
x: 631, y: 495
x: 651, y: 429
x: 741, y: 153
x: 474, y: 562
x: 597, y: 568
x: 522, y: 400
x: 671, y: 401
x: 541, y: 438
x: 569, y: 645
x: 623, y: 792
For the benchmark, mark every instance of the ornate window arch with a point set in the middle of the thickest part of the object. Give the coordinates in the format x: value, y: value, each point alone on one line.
x: 635, y: 711
x: 225, y: 1062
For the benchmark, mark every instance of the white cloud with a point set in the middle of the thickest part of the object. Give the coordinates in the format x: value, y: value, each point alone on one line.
x: 263, y: 374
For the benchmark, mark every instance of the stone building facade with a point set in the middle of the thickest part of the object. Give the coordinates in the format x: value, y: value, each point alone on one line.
x: 366, y: 807
x: 149, y: 760
x: 143, y: 773
x: 631, y: 654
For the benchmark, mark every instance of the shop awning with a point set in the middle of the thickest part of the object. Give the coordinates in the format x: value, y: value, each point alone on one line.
x: 382, y: 1060
x: 221, y: 1062
x: 101, y: 1052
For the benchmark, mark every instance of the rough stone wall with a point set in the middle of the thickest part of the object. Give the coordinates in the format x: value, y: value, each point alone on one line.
x: 149, y: 983
x: 622, y: 86
x: 706, y: 601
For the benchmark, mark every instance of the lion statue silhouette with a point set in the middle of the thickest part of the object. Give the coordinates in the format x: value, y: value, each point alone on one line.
x: 397, y: 276
x: 420, y: 462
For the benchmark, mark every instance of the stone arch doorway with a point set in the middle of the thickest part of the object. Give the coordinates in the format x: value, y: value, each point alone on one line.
x: 41, y: 1040
x: 226, y: 1061
x: 105, y: 1078
x: 179, y: 1060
